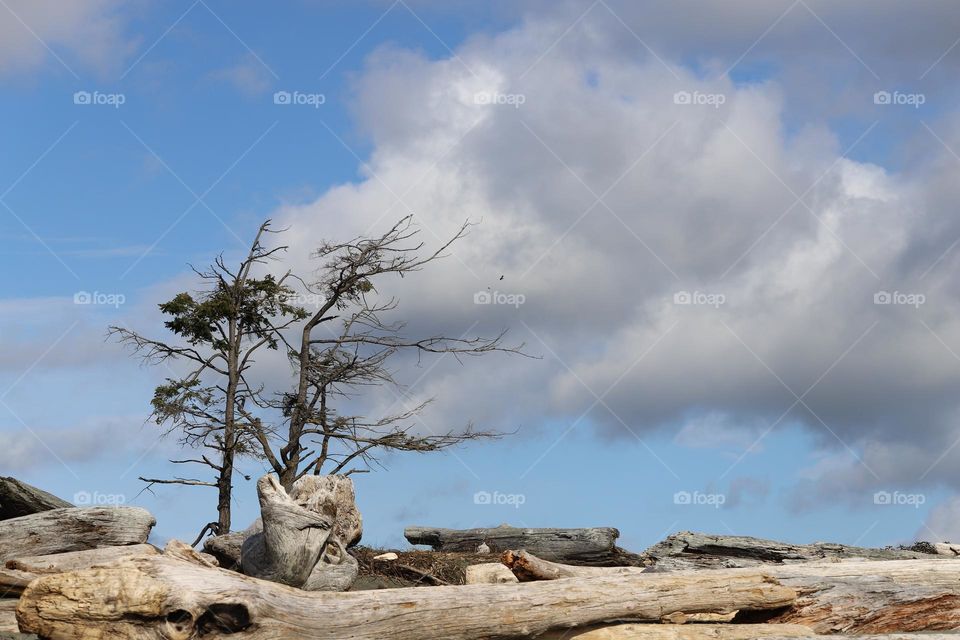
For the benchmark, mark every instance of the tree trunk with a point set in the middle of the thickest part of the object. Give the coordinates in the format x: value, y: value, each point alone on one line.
x: 73, y: 529
x: 578, y: 546
x: 152, y: 597
x: 298, y: 545
x: 20, y: 499
x: 74, y: 560
x: 853, y: 596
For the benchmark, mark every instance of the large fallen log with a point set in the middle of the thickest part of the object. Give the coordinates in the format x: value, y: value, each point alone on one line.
x: 74, y: 560
x: 21, y: 499
x: 691, y: 550
x: 164, y: 597
x: 852, y: 596
x: 578, y: 546
x: 73, y: 529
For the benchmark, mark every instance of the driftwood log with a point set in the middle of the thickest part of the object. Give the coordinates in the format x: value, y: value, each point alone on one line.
x: 577, y: 546
x: 21, y: 499
x: 691, y: 550
x: 73, y: 529
x: 298, y: 545
x: 8, y: 618
x: 226, y: 548
x: 74, y: 560
x: 721, y: 632
x: 682, y: 632
x: 166, y: 597
x: 852, y: 596
x: 13, y: 582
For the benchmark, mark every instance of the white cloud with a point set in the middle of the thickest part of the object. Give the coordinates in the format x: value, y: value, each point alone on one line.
x: 696, y: 199
x: 84, y: 34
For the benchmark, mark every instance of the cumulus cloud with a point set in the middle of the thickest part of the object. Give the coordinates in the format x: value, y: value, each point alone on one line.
x: 682, y: 249
x: 84, y: 34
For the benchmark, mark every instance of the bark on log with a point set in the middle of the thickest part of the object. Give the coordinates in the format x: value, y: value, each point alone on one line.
x: 156, y: 597
x: 21, y: 499
x: 298, y: 546
x: 576, y: 546
x: 690, y: 550
x: 73, y: 529
x: 852, y: 596
x: 74, y: 560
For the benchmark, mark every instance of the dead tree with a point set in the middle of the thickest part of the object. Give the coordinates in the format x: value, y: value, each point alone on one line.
x: 335, y: 352
x: 219, y: 328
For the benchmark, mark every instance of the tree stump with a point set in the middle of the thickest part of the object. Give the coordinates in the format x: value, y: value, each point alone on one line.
x: 299, y: 545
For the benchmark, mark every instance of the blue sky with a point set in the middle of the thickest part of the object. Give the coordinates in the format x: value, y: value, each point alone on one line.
x: 120, y: 199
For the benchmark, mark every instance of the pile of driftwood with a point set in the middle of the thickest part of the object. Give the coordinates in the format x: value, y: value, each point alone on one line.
x: 75, y: 573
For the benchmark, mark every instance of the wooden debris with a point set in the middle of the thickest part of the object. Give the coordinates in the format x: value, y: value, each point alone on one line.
x: 8, y: 618
x: 682, y: 632
x: 690, y: 550
x: 21, y: 499
x: 297, y: 546
x: 13, y: 582
x: 73, y: 560
x: 576, y: 546
x: 853, y: 596
x: 489, y: 573
x: 152, y: 597
x: 73, y: 529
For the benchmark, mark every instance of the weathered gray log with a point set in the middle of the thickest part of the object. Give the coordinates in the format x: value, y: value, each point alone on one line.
x: 298, y: 546
x: 73, y: 529
x: 691, y: 550
x: 839, y: 596
x: 335, y: 496
x: 73, y: 560
x: 227, y: 548
x: 155, y: 597
x: 577, y: 546
x: 21, y: 499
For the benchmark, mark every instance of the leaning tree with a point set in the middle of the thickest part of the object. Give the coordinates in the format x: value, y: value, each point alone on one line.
x: 335, y: 352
